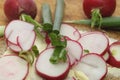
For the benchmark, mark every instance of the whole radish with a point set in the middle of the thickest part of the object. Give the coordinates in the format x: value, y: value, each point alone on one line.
x: 14, y: 8
x: 107, y: 7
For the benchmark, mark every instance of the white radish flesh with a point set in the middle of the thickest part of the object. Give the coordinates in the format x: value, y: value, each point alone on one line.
x: 93, y: 65
x: 74, y: 50
x: 69, y: 31
x: 95, y: 42
x: 13, y: 68
x: 48, y: 70
x: 26, y: 39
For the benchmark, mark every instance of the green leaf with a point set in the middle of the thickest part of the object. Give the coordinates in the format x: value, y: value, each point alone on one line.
x: 35, y: 50
x: 47, y: 27
x: 57, y: 40
x: 59, y: 55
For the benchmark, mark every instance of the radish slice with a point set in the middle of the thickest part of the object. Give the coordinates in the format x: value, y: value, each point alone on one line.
x: 93, y: 65
x: 13, y: 47
x: 48, y: 70
x: 26, y: 41
x: 13, y: 68
x: 15, y: 27
x: 114, y: 51
x: 69, y: 31
x: 95, y: 42
x: 74, y: 51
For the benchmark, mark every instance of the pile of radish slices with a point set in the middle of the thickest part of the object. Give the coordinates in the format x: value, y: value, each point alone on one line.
x: 88, y: 52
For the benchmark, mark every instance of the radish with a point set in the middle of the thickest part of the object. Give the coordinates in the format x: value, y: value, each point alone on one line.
x: 13, y: 68
x: 69, y: 31
x: 107, y: 7
x: 93, y: 65
x: 20, y: 35
x: 114, y: 51
x: 95, y: 42
x: 50, y: 71
x: 74, y: 51
x: 14, y: 8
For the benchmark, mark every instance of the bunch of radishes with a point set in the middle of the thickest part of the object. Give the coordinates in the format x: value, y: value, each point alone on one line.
x: 88, y: 52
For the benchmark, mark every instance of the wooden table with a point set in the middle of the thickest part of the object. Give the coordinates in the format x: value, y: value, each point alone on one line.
x: 73, y: 11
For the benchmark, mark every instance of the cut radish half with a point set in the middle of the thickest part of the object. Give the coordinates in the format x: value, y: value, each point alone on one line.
x: 114, y: 51
x: 95, y: 42
x: 13, y: 68
x: 69, y: 31
x: 74, y: 51
x: 26, y: 41
x: 93, y: 65
x: 48, y: 70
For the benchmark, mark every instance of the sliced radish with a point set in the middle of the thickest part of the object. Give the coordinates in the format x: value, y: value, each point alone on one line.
x: 26, y: 41
x: 48, y: 70
x: 15, y: 27
x: 114, y: 51
x: 95, y: 42
x: 69, y: 31
x: 13, y: 47
x: 20, y: 35
x: 93, y: 65
x: 74, y: 50
x: 13, y: 68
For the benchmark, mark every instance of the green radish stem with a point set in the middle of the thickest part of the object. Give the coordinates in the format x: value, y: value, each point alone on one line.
x: 2, y: 28
x: 112, y: 23
x: 46, y: 14
x: 59, y: 11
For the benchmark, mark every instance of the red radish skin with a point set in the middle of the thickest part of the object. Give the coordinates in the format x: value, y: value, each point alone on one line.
x: 107, y: 7
x: 70, y: 32
x: 13, y: 67
x: 95, y: 42
x: 14, y: 8
x: 114, y: 51
x: 50, y: 71
x: 93, y: 65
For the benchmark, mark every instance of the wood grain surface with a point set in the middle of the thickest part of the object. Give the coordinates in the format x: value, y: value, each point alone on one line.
x: 73, y: 11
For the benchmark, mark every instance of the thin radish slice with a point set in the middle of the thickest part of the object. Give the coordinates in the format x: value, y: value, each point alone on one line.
x: 93, y: 65
x: 13, y: 47
x: 15, y: 27
x: 74, y: 50
x: 48, y: 70
x: 69, y: 31
x: 13, y: 68
x: 95, y: 42
x: 26, y: 39
x: 114, y: 51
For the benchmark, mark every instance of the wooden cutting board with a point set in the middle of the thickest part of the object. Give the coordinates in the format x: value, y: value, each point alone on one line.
x: 73, y: 11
